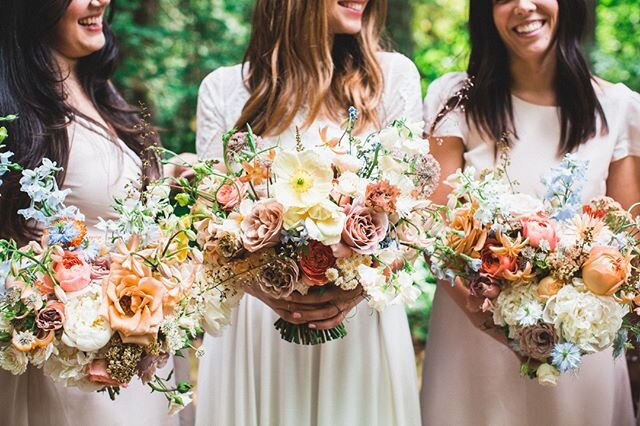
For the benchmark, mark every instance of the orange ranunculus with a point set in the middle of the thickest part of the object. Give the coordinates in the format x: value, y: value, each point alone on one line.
x: 494, y: 265
x: 605, y: 270
x: 314, y: 263
x: 133, y: 304
x: 71, y: 271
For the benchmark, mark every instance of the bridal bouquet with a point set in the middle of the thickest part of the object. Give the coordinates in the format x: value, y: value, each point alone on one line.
x: 559, y: 276
x: 338, y: 213
x: 94, y: 313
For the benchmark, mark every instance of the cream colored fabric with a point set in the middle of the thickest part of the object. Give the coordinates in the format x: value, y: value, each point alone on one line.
x: 249, y: 376
x: 98, y: 169
x: 469, y: 379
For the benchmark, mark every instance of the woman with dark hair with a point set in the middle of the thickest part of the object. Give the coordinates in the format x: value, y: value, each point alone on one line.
x: 56, y: 61
x: 306, y: 63
x: 529, y: 94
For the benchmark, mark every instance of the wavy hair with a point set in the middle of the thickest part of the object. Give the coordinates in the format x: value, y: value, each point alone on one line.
x: 31, y: 85
x: 293, y: 62
x: 488, y: 100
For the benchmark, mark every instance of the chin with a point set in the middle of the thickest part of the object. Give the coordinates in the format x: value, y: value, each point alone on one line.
x: 350, y: 29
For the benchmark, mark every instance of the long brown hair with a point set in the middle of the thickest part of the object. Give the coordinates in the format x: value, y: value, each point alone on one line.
x: 32, y: 87
x: 293, y: 62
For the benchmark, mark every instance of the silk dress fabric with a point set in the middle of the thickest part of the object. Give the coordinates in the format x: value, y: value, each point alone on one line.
x: 249, y: 376
x: 470, y: 379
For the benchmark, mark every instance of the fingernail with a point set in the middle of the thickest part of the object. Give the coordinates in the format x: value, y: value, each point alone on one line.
x: 312, y: 326
x: 297, y: 315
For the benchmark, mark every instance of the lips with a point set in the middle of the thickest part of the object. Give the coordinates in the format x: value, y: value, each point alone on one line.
x: 91, y: 21
x: 529, y: 27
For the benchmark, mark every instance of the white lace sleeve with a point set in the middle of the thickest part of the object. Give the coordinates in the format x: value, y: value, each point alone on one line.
x: 439, y: 92
x: 628, y: 143
x: 402, y: 93
x: 210, y: 120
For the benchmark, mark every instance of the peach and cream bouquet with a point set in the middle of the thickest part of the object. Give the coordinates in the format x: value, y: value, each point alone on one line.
x: 559, y: 276
x: 97, y: 312
x: 338, y: 212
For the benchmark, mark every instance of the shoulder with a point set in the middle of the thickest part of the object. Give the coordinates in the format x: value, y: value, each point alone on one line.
x: 446, y: 85
x: 222, y: 79
x: 393, y: 63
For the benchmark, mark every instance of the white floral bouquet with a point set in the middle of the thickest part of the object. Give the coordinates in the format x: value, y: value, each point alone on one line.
x: 94, y: 313
x: 558, y: 276
x: 338, y: 213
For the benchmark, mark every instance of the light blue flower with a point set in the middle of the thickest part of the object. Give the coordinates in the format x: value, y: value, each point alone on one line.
x: 475, y: 264
x: 62, y: 233
x: 353, y: 113
x: 566, y: 357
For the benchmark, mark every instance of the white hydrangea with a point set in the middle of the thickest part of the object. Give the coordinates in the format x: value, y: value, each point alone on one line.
x: 84, y: 326
x: 508, y: 305
x: 589, y: 321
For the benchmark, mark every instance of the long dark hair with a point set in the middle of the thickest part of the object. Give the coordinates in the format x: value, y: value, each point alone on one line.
x: 32, y: 87
x: 488, y: 101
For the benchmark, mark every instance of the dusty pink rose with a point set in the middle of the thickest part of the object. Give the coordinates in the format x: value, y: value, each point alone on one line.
x: 71, y: 271
x: 51, y: 317
x: 261, y: 228
x: 537, y: 228
x: 98, y: 374
x: 230, y: 194
x: 364, y: 228
x: 100, y: 268
x: 148, y: 365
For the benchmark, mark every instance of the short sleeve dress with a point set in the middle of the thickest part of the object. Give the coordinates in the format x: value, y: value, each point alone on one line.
x: 470, y: 379
x: 249, y: 376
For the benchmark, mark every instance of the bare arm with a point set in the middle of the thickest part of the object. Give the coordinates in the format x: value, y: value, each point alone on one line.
x: 623, y: 183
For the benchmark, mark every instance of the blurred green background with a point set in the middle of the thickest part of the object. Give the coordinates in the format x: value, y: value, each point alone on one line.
x: 169, y: 46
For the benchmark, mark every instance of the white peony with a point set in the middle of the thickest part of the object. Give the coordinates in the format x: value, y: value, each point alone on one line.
x: 519, y: 205
x: 84, y: 327
x: 507, y: 307
x: 69, y: 367
x: 217, y: 310
x: 13, y: 360
x: 351, y: 185
x: 589, y: 321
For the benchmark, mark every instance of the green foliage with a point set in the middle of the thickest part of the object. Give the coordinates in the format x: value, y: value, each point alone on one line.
x: 616, y: 56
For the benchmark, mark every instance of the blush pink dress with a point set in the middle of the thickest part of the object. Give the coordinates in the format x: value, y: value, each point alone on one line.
x: 97, y: 171
x: 470, y: 379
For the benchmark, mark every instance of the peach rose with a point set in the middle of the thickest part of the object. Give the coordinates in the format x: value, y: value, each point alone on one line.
x: 261, y: 227
x: 548, y: 286
x: 605, y: 270
x: 71, y: 271
x: 229, y: 195
x: 314, y: 263
x: 537, y: 228
x: 132, y: 304
x: 98, y: 374
x: 364, y: 228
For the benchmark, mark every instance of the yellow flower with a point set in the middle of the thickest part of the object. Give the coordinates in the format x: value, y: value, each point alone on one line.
x: 303, y: 178
x: 324, y: 221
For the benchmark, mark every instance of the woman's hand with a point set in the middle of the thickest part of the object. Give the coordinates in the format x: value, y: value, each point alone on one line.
x: 319, y: 310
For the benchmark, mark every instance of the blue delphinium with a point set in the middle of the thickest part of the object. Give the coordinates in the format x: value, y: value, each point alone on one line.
x: 5, y: 164
x: 353, y: 113
x: 564, y: 186
x: 62, y: 233
x: 566, y: 357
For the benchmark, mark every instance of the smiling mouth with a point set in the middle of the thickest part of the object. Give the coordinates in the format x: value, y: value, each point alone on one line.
x: 91, y: 21
x: 529, y: 27
x: 358, y: 7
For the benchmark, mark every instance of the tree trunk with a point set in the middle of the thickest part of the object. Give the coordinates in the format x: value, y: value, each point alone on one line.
x: 399, y: 25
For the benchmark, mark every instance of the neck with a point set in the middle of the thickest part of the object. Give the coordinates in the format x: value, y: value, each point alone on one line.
x: 73, y: 91
x: 533, y: 79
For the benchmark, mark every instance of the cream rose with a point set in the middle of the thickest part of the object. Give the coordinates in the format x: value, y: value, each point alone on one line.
x: 547, y: 375
x: 84, y: 327
x: 13, y: 360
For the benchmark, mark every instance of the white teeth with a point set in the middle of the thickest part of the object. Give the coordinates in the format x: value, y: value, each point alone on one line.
x: 352, y: 5
x: 96, y: 20
x: 529, y: 28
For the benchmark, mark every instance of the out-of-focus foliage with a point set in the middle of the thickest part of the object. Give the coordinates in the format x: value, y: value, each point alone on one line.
x: 616, y: 55
x: 168, y: 47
